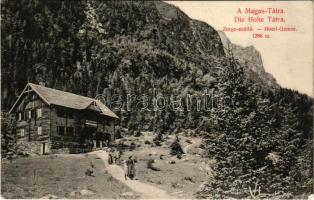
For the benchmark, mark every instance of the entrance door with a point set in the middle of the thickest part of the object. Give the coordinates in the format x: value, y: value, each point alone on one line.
x: 87, y: 134
x: 43, y: 148
x: 99, y: 139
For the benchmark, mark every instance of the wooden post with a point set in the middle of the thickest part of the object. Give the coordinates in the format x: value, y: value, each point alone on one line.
x: 29, y: 130
x: 66, y: 122
x: 95, y: 143
x: 29, y: 126
x: 50, y: 124
x: 114, y: 131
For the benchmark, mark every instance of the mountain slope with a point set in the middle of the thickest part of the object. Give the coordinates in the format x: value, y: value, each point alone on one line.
x: 58, y: 41
x: 145, y: 49
x: 88, y: 48
x: 252, y: 61
x: 132, y: 54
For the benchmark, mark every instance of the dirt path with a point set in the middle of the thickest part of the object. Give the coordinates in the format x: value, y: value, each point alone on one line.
x: 147, y: 191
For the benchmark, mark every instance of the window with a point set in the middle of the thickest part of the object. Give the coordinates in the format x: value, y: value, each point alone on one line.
x: 33, y: 113
x: 32, y: 101
x: 60, y: 113
x: 70, y: 131
x: 39, y: 112
x: 29, y: 114
x: 39, y: 130
x: 20, y: 116
x: 107, y: 122
x: 60, y: 130
x: 70, y: 115
x: 22, y: 132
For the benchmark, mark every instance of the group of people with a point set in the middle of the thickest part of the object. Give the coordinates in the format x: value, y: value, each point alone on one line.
x: 114, y: 157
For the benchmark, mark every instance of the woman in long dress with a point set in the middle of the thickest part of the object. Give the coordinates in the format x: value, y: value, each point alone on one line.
x: 110, y: 157
x: 117, y: 156
x: 132, y: 168
x: 129, y: 168
x: 126, y: 169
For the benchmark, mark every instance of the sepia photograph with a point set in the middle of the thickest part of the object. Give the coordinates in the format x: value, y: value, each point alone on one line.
x: 156, y: 99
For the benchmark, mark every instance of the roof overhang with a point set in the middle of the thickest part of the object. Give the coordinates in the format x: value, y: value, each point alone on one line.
x: 28, y: 88
x: 93, y: 104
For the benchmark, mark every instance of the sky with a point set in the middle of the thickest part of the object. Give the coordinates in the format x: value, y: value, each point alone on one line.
x: 288, y: 56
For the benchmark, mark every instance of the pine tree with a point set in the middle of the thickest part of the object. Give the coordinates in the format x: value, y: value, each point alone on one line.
x: 8, y: 134
x: 241, y: 134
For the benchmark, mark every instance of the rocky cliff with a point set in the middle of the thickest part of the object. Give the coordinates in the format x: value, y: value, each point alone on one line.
x: 251, y: 59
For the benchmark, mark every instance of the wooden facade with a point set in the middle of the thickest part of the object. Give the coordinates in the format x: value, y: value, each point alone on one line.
x: 45, y: 125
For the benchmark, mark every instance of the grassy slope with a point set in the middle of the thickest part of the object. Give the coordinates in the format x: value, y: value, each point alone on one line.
x: 57, y: 175
x: 171, y: 177
x: 62, y: 174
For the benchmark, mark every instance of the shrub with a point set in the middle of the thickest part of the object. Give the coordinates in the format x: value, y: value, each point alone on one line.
x: 89, y: 172
x: 158, y: 139
x: 137, y: 134
x: 132, y: 146
x: 150, y: 162
x: 157, y: 143
x: 118, y: 134
x: 187, y: 178
x: 188, y: 141
x: 176, y: 149
x: 201, y: 146
x: 8, y: 134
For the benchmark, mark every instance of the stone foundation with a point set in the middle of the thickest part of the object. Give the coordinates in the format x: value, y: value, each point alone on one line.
x: 55, y: 147
x: 71, y: 150
x: 69, y: 147
x: 34, y: 147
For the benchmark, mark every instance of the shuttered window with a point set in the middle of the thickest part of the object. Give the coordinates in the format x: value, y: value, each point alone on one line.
x: 33, y: 113
x: 22, y: 132
x: 70, y: 131
x: 39, y: 112
x: 39, y: 130
x: 60, y: 130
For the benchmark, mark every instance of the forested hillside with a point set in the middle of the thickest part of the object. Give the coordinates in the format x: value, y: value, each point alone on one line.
x: 259, y: 134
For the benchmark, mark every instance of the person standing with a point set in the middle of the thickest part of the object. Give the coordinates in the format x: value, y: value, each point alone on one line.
x: 126, y: 169
x: 132, y: 167
x: 129, y: 168
x: 110, y: 157
x: 117, y: 156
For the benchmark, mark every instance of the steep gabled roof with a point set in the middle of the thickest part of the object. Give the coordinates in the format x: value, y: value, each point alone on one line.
x: 66, y: 99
